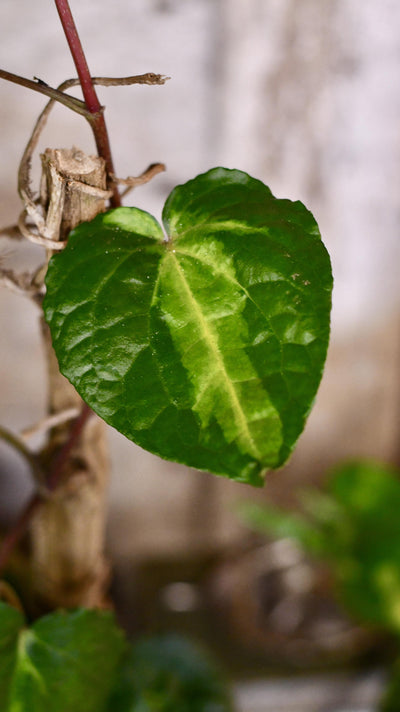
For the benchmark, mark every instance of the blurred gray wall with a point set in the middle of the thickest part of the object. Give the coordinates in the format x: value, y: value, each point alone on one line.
x: 304, y: 95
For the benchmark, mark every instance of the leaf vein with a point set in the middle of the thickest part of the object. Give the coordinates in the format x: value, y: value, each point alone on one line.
x: 211, y: 340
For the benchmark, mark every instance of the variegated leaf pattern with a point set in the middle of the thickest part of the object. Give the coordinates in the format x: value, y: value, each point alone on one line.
x: 204, y: 344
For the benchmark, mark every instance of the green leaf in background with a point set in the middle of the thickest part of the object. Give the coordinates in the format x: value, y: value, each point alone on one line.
x: 65, y: 662
x: 206, y: 347
x: 278, y: 523
x: 169, y: 674
x: 365, y: 540
x: 355, y: 527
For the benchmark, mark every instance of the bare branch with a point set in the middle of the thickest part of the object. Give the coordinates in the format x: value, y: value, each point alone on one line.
x: 134, y: 181
x: 18, y: 444
x: 55, y: 94
x: 22, y: 284
x: 52, y: 421
x: 38, y: 239
x: 149, y: 78
x: 50, y: 483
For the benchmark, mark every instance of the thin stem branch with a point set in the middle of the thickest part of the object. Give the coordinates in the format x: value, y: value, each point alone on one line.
x: 19, y: 445
x: 145, y: 177
x: 89, y: 93
x: 70, y: 101
x: 52, y: 421
x: 54, y: 477
x: 149, y: 78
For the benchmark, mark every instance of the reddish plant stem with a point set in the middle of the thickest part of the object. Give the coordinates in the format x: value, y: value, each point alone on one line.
x: 93, y: 105
x: 15, y: 534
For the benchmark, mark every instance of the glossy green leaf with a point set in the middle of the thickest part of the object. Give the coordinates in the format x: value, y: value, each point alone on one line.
x: 169, y: 674
x: 207, y: 347
x: 64, y: 662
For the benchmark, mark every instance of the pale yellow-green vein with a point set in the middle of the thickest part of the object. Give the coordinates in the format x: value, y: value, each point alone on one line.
x: 212, y: 343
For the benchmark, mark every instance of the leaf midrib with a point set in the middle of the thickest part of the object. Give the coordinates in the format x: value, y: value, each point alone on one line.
x: 209, y: 338
x: 219, y: 225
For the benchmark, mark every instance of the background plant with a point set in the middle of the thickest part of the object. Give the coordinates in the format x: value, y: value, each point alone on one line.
x: 353, y: 527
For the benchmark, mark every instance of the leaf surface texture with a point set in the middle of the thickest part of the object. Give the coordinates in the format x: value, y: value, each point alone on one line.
x: 205, y: 346
x: 64, y: 662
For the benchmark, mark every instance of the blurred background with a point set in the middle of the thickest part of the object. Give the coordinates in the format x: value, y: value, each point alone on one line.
x: 302, y: 95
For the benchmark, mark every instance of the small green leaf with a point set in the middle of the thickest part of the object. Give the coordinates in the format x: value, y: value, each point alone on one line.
x: 281, y: 524
x: 64, y: 662
x: 207, y: 347
x: 169, y: 674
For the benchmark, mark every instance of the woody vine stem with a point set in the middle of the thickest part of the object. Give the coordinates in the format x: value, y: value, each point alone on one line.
x: 99, y: 129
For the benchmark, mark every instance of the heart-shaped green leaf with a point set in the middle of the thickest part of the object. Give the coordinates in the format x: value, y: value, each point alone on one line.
x: 205, y: 347
x: 64, y: 662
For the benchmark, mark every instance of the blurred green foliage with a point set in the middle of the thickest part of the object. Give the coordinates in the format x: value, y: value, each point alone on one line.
x: 391, y: 699
x: 354, y: 526
x: 169, y: 674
